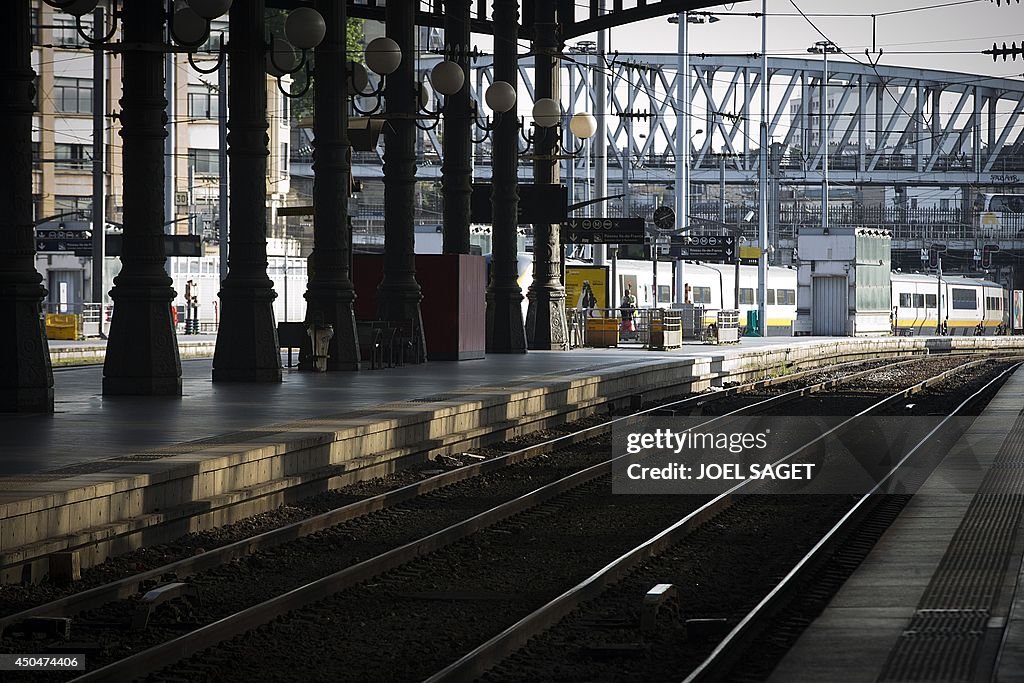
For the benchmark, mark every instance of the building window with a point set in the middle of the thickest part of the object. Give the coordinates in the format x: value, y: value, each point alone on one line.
x: 965, y: 299
x: 218, y: 33
x: 72, y: 156
x: 33, y: 18
x: 66, y: 33
x: 204, y: 161
x: 944, y: 204
x: 202, y: 104
x: 74, y: 207
x: 35, y: 155
x: 284, y: 160
x: 72, y: 95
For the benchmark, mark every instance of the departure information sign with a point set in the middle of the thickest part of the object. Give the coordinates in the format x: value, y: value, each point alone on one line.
x: 721, y: 248
x: 603, y: 231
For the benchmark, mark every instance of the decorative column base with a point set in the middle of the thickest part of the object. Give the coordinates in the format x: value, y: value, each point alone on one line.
x: 505, y: 331
x: 334, y: 307
x: 142, y: 350
x: 247, y: 348
x: 546, y: 328
x: 26, y: 379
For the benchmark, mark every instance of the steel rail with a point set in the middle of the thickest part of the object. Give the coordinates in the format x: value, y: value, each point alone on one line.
x: 128, y: 586
x: 723, y: 657
x: 489, y: 653
x: 162, y: 655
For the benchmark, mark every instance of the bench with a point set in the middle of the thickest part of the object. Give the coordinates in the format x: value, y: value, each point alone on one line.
x: 292, y: 336
x: 398, y: 341
x: 371, y: 346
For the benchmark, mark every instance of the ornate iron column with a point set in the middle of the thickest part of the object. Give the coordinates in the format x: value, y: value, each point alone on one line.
x: 26, y: 380
x: 399, y: 294
x: 329, y: 293
x: 545, y: 319
x: 505, y: 331
x: 457, y: 168
x: 247, y: 349
x: 142, y: 348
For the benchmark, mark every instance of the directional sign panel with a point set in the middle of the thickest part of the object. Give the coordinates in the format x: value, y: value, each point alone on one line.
x: 63, y: 244
x: 62, y: 234
x: 603, y: 231
x: 721, y: 248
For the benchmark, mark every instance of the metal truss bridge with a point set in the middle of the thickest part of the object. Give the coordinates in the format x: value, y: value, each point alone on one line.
x: 886, y: 125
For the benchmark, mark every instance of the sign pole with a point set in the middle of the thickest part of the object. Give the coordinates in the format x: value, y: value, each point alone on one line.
x: 99, y: 222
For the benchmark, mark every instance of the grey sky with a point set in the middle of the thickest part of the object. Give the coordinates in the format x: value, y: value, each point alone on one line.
x: 972, y: 26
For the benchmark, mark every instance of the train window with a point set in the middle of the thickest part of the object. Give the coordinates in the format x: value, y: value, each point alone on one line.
x: 771, y: 296
x: 929, y: 301
x: 905, y: 301
x: 965, y: 299
x: 664, y: 294
x: 701, y: 295
x: 993, y: 303
x: 747, y: 296
x: 787, y: 297
x: 919, y: 301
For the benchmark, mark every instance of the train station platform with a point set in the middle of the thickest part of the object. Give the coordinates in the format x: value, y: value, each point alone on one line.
x: 104, y: 475
x: 941, y: 595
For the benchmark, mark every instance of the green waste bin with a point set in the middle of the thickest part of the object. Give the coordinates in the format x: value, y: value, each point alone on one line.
x: 752, y: 326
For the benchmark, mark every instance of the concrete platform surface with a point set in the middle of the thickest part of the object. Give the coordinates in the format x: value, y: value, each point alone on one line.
x: 87, y: 425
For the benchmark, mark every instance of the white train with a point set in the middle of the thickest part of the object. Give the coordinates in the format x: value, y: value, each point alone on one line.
x: 969, y: 306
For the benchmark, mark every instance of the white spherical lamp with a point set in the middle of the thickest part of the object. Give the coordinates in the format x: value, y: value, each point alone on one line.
x: 305, y: 28
x: 188, y: 28
x: 210, y: 9
x: 447, y: 77
x: 583, y: 125
x: 358, y: 80
x: 546, y: 112
x: 282, y: 58
x: 383, y: 56
x: 500, y: 96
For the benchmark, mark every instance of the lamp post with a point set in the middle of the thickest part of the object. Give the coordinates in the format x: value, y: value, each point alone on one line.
x: 682, y: 150
x: 823, y: 47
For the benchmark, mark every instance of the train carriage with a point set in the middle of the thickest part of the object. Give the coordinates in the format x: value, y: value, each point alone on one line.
x: 968, y: 306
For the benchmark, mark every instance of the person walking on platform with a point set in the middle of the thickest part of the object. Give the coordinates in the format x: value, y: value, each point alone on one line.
x: 628, y: 306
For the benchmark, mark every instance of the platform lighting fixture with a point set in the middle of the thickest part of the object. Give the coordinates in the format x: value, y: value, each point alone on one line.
x: 383, y: 56
x: 547, y: 120
x: 189, y: 23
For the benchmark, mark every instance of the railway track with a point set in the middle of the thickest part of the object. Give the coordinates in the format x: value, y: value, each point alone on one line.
x: 390, y: 503
x: 602, y: 626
